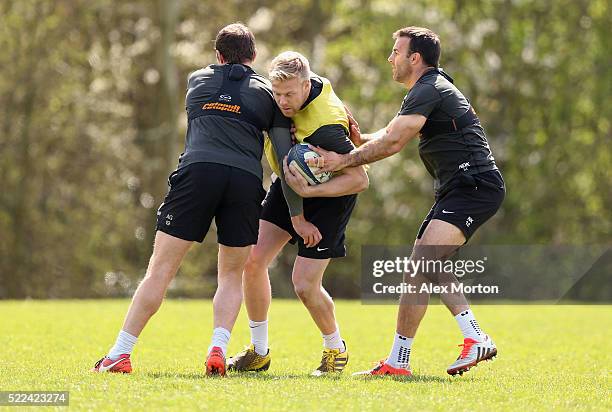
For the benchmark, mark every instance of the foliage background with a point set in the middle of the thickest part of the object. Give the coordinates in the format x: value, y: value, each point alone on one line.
x: 92, y: 123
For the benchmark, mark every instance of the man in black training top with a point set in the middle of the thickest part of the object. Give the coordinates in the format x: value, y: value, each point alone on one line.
x: 469, y: 188
x: 219, y: 175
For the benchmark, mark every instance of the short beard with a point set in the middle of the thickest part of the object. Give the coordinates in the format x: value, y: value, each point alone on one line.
x: 401, y: 77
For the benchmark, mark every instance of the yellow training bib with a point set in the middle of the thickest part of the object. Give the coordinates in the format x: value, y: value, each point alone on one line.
x: 325, y: 109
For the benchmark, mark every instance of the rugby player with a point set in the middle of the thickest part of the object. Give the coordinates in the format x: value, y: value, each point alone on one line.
x: 320, y: 119
x: 218, y: 176
x: 469, y: 188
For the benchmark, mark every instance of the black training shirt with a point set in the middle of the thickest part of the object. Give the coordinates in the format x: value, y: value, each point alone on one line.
x: 231, y: 116
x: 447, y: 155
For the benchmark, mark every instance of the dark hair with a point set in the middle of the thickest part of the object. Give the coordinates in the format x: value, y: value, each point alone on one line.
x: 236, y: 43
x: 422, y: 41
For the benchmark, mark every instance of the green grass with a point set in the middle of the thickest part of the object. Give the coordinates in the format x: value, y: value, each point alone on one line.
x: 551, y: 357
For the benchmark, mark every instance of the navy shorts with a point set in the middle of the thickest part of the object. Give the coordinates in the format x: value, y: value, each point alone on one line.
x: 469, y: 206
x: 200, y: 192
x: 329, y: 214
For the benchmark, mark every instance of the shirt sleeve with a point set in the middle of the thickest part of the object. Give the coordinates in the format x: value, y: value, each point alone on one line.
x: 279, y: 120
x: 332, y: 137
x: 281, y: 142
x: 421, y: 99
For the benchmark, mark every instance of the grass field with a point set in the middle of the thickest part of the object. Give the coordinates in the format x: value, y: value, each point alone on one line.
x: 551, y: 357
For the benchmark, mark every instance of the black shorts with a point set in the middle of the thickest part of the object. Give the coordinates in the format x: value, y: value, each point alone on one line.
x: 469, y: 206
x: 200, y: 191
x: 329, y: 214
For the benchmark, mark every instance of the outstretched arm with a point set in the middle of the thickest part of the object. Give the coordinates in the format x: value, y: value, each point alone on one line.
x: 399, y: 132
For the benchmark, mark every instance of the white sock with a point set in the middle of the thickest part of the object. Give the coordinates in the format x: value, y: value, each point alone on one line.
x: 220, y: 338
x: 124, y: 344
x: 400, y: 352
x: 468, y: 325
x: 259, y: 336
x: 333, y: 341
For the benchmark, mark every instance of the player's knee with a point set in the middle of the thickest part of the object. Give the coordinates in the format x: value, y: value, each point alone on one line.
x: 302, y: 292
x: 304, y: 289
x: 255, y: 266
x: 230, y: 272
x: 161, y: 272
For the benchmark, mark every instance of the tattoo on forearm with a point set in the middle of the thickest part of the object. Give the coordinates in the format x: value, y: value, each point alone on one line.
x: 370, y: 152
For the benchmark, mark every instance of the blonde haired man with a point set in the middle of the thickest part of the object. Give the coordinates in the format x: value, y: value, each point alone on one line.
x: 320, y: 119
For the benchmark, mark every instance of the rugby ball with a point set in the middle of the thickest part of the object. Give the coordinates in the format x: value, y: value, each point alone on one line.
x: 298, y: 156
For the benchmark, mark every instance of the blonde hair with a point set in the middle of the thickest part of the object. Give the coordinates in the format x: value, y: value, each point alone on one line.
x: 289, y: 65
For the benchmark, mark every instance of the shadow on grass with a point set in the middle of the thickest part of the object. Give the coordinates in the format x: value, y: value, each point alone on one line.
x: 168, y: 375
x: 289, y: 376
x: 266, y: 376
x: 406, y: 379
x: 202, y: 375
